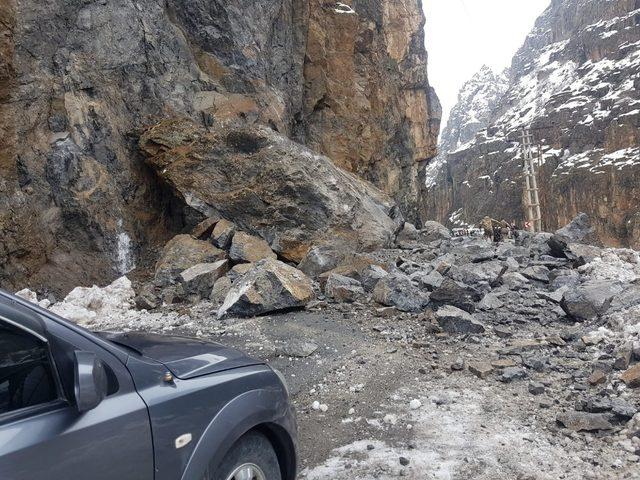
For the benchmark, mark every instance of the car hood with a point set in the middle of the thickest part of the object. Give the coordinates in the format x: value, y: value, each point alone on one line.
x: 184, y: 357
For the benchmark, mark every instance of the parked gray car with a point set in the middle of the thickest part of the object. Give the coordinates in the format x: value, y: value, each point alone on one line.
x: 134, y: 406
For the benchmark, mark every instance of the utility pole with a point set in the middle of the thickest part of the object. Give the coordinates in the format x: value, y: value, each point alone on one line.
x: 532, y: 198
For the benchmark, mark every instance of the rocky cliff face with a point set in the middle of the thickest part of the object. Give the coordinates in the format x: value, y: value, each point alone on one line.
x: 575, y: 82
x: 79, y: 82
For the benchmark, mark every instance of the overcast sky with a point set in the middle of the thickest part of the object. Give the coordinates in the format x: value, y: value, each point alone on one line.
x: 463, y: 35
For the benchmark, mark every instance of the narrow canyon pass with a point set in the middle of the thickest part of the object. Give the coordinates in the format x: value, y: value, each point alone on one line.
x: 250, y: 209
x: 575, y: 82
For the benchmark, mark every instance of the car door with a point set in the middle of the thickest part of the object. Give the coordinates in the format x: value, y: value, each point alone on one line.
x: 42, y: 433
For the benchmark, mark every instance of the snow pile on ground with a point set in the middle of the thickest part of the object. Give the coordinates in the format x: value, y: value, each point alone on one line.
x: 31, y: 296
x: 615, y: 264
x: 456, y: 434
x: 85, y: 305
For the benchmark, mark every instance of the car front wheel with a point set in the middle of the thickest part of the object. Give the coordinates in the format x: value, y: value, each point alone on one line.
x: 251, y: 458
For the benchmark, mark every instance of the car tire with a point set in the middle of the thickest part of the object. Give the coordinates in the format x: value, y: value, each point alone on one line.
x: 252, y: 457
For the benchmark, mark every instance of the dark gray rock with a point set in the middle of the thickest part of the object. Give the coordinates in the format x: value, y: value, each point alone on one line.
x: 343, y: 289
x: 454, y: 320
x: 538, y: 273
x: 584, y: 421
x: 181, y: 253
x: 536, y: 388
x: 297, y: 348
x: 269, y: 286
x: 432, y: 231
x: 457, y: 294
x: 222, y: 234
x: 397, y: 290
x: 370, y: 276
x: 429, y: 281
x: 320, y: 260
x: 510, y: 374
x: 199, y: 279
x: 589, y: 300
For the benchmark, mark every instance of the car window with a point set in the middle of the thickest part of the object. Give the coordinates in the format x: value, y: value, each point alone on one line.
x: 26, y: 373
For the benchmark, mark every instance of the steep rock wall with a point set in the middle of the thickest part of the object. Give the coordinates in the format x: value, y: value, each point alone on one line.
x: 80, y: 80
x: 575, y: 82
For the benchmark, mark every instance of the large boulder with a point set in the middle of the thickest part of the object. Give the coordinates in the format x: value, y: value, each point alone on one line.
x: 269, y: 286
x: 454, y: 320
x: 271, y: 187
x: 432, y: 231
x: 589, y: 300
x: 199, y: 279
x: 457, y: 294
x: 247, y: 248
x: 397, y: 290
x: 343, y: 289
x: 181, y: 253
x: 578, y: 231
x: 319, y: 260
x: 222, y: 234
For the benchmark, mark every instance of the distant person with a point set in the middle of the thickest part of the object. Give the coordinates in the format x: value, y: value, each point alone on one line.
x: 487, y: 225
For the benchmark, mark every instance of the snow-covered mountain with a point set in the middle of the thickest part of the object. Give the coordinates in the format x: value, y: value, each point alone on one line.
x: 472, y: 112
x: 575, y: 82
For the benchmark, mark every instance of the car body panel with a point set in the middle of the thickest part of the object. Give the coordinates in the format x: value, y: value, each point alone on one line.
x: 56, y: 441
x: 132, y: 433
x: 184, y: 357
x: 205, y: 397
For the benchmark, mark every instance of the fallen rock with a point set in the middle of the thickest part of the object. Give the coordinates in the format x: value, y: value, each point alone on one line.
x: 239, y: 270
x: 203, y: 230
x: 408, y: 235
x: 247, y: 248
x: 490, y: 302
x: 503, y: 363
x: 319, y: 260
x: 480, y: 369
x: 622, y: 358
x: 579, y: 230
x: 432, y: 231
x: 514, y: 281
x: 297, y: 348
x: 536, y: 388
x: 343, y: 289
x: 584, y: 421
x: 268, y: 287
x: 147, y: 298
x: 538, y: 273
x: 270, y: 186
x: 429, y: 281
x: 457, y: 294
x: 220, y: 290
x: 597, y: 377
x: 589, y: 300
x: 371, y: 275
x: 222, y: 234
x: 396, y: 290
x: 510, y: 374
x: 351, y: 266
x: 199, y: 279
x: 180, y: 253
x: 631, y: 377
x: 455, y: 320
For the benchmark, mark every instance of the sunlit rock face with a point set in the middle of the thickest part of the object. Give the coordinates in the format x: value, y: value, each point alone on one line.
x: 575, y: 82
x: 80, y: 80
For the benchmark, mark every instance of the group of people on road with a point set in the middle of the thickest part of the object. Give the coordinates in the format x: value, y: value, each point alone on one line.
x: 496, y: 231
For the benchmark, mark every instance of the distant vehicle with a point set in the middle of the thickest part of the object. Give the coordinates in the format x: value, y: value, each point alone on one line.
x: 80, y: 405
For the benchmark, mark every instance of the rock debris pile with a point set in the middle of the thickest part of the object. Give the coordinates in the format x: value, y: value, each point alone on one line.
x: 543, y: 315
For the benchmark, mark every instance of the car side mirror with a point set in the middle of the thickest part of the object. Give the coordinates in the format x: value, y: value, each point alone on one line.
x: 90, y: 381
